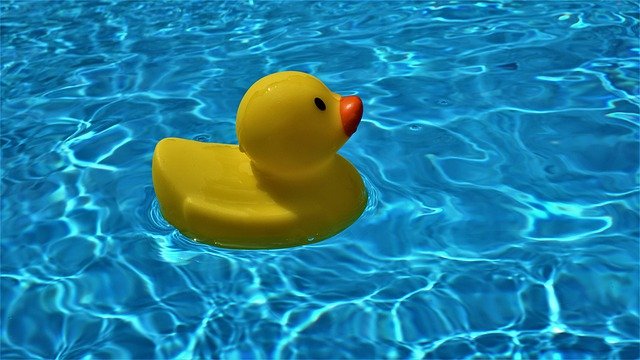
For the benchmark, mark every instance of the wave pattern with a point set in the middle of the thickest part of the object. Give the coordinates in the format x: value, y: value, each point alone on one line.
x: 499, y: 146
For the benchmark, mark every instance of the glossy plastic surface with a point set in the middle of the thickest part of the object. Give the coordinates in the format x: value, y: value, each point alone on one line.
x: 284, y: 186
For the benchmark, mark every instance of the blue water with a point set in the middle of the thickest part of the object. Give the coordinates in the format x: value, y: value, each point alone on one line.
x: 499, y: 145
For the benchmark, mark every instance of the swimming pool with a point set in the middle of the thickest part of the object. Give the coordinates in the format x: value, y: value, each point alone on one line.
x: 499, y: 146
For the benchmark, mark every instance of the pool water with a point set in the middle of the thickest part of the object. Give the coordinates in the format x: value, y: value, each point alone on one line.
x: 499, y: 146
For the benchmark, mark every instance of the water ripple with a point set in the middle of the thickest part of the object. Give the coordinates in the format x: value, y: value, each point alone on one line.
x: 498, y: 146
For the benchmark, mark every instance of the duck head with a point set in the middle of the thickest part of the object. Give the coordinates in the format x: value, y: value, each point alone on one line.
x: 290, y: 124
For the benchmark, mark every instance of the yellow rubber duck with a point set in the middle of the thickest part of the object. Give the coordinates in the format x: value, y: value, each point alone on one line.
x: 284, y: 185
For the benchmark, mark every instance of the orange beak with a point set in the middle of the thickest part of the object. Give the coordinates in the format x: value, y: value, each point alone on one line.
x: 350, y: 113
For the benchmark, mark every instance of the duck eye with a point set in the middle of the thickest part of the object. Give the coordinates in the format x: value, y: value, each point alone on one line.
x: 320, y: 104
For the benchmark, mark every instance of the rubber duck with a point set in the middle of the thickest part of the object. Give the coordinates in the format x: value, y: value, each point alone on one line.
x: 283, y: 185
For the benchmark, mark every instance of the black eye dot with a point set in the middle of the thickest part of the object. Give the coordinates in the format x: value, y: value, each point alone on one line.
x: 320, y: 104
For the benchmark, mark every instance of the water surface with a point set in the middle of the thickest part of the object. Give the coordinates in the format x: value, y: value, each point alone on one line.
x: 499, y: 146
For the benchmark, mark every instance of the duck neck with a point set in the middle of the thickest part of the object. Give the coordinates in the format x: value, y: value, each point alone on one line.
x: 308, y: 174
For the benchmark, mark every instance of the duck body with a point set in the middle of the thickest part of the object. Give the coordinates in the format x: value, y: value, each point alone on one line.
x: 230, y: 203
x: 278, y: 188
